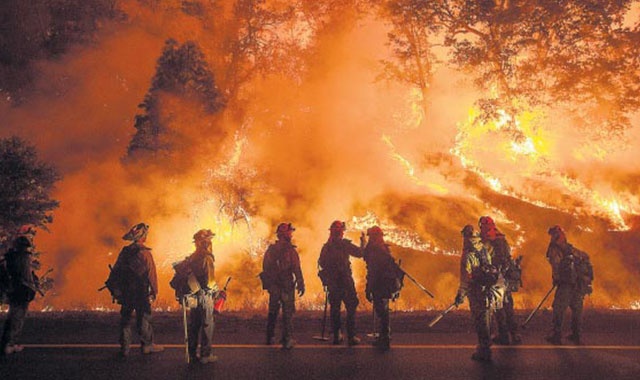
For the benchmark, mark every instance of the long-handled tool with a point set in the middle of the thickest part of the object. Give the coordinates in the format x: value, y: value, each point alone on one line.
x: 534, y: 311
x: 186, y: 331
x: 324, y: 318
x: 419, y: 285
x: 441, y: 315
x: 374, y: 334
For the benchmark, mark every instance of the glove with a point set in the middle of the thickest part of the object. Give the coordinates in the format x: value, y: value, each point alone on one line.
x: 152, y: 298
x: 459, y: 299
x: 363, y: 240
x: 300, y: 291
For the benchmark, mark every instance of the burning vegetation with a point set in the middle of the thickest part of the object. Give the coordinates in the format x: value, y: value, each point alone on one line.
x: 419, y: 116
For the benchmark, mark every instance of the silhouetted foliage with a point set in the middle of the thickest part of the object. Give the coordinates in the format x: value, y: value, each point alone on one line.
x: 25, y: 187
x: 180, y: 70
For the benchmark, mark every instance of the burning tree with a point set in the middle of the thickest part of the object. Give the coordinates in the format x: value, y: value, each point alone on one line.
x: 532, y: 53
x: 181, y: 70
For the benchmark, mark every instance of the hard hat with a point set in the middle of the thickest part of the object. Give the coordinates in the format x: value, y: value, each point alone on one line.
x: 203, y: 235
x: 467, y: 231
x: 486, y: 221
x: 338, y: 225
x: 137, y: 232
x: 284, y: 227
x: 374, y: 231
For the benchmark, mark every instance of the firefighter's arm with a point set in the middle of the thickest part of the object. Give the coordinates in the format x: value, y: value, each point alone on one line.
x: 153, y: 275
x: 295, y: 261
x: 354, y: 250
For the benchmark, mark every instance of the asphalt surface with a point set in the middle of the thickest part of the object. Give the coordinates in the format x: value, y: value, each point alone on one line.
x: 83, y: 346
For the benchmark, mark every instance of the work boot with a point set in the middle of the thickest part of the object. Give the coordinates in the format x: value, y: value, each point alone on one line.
x: 353, y: 341
x: 516, y: 339
x: 288, y: 344
x: 338, y: 338
x: 124, y: 351
x: 482, y: 355
x: 152, y: 349
x: 211, y: 358
x: 12, y: 349
x: 575, y: 338
x: 554, y: 339
x: 382, y: 343
x: 501, y: 340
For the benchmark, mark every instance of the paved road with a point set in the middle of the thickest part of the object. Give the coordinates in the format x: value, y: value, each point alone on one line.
x: 82, y: 346
x: 328, y: 362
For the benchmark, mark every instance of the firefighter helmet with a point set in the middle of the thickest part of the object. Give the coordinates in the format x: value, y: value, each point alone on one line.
x: 467, y: 231
x: 136, y: 232
x: 284, y: 227
x: 375, y: 231
x: 203, y: 235
x: 338, y: 225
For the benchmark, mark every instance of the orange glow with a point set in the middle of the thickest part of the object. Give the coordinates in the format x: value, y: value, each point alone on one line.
x: 328, y: 141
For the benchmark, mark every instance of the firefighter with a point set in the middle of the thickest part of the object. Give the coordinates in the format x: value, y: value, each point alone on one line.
x: 135, y: 272
x: 384, y: 281
x: 500, y: 252
x: 336, y: 276
x: 477, y: 278
x: 201, y: 322
x: 22, y: 290
x: 572, y: 274
x: 281, y: 276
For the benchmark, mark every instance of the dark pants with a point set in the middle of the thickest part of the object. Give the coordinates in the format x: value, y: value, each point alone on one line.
x: 481, y: 314
x: 143, y: 323
x: 381, y: 307
x: 567, y: 296
x: 347, y: 295
x: 506, y: 318
x: 278, y: 298
x: 14, y: 323
x: 201, y: 325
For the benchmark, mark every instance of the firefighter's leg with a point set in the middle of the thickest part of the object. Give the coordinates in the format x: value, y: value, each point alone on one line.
x: 576, y: 306
x: 143, y: 323
x: 481, y: 314
x: 335, y: 302
x: 287, y: 298
x: 272, y: 316
x: 560, y: 304
x: 381, y: 306
x: 351, y: 304
x: 126, y: 314
x: 206, y: 338
x: 195, y: 326
x: 512, y: 323
x: 14, y: 323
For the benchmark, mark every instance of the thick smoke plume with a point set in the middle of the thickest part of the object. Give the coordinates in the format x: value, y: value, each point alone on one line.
x: 326, y: 142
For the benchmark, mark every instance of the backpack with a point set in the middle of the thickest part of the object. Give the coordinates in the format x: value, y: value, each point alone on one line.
x: 513, y: 275
x: 584, y: 271
x: 184, y: 282
x: 127, y: 277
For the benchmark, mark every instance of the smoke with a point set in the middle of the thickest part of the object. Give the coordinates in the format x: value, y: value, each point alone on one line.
x: 333, y: 143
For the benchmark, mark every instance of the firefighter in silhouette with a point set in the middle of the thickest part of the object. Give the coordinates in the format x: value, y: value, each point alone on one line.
x: 335, y: 273
x: 384, y: 282
x: 21, y: 289
x: 479, y: 280
x: 137, y: 287
x: 572, y: 274
x: 201, y: 322
x: 500, y: 252
x: 281, y: 276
